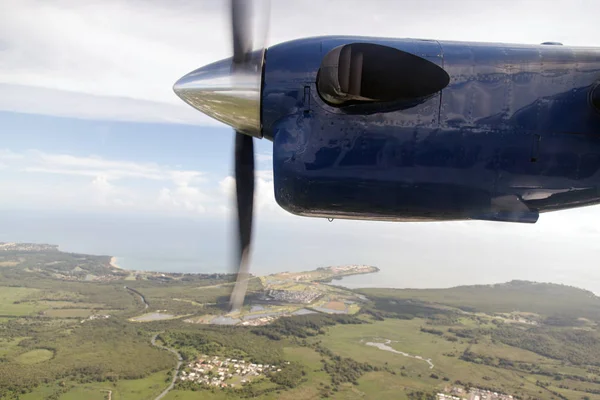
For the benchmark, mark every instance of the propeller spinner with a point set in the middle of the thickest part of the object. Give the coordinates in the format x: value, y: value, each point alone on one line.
x: 229, y: 91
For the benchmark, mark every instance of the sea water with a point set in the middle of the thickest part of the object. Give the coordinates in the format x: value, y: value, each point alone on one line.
x: 426, y: 256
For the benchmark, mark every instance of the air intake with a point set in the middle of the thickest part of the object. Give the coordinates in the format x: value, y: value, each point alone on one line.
x: 368, y: 73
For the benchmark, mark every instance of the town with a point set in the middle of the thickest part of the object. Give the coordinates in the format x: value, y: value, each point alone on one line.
x: 457, y: 393
x: 295, y: 293
x: 27, y: 247
x: 227, y: 372
x: 352, y: 269
x: 293, y: 296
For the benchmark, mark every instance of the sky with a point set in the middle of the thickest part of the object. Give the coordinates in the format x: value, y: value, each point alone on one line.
x: 98, y: 154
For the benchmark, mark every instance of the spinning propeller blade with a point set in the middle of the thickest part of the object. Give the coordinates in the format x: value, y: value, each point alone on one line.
x: 241, y: 26
x: 229, y: 91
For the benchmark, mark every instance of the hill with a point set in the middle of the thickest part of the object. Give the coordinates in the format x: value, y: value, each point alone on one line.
x: 545, y: 299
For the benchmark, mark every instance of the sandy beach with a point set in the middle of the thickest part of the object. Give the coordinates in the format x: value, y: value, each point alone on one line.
x: 113, y: 263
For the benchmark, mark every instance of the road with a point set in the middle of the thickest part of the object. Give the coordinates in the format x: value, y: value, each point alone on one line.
x: 175, y: 371
x: 153, y: 341
x: 140, y: 295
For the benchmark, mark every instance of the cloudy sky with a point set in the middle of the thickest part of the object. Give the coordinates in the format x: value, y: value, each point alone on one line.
x: 98, y: 154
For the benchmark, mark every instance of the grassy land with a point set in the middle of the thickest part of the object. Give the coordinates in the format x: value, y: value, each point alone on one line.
x: 545, y: 299
x: 85, y: 392
x: 316, y: 378
x: 413, y: 375
x: 136, y: 389
x: 385, y: 385
x: 405, y: 335
x: 11, y: 298
x: 9, y: 345
x: 97, y: 350
x: 35, y: 356
x: 71, y: 312
x: 208, y: 395
x: 525, y: 339
x: 147, y: 388
x: 9, y: 263
x: 42, y: 338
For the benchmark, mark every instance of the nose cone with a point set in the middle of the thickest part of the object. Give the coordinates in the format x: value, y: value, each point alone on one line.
x: 232, y: 98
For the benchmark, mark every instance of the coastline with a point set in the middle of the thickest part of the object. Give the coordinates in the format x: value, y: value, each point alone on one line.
x: 113, y: 263
x: 340, y: 277
x: 332, y: 280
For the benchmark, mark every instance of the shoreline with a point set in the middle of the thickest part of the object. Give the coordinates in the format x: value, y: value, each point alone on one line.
x: 113, y: 263
x: 340, y: 277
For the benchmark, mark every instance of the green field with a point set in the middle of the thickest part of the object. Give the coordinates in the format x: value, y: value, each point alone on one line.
x: 11, y: 301
x: 545, y: 299
x: 9, y: 263
x: 25, y: 301
x: 137, y: 389
x: 385, y: 385
x: 208, y: 395
x: 406, y: 336
x: 35, y: 356
x: 69, y: 312
x: 526, y: 339
x: 85, y: 392
x: 10, y: 345
x: 316, y: 377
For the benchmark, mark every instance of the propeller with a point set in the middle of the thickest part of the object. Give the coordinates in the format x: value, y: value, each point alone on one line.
x: 229, y: 91
x: 245, y: 61
x: 244, y: 189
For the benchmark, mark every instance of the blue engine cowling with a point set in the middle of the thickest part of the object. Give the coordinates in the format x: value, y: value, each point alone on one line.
x: 510, y: 133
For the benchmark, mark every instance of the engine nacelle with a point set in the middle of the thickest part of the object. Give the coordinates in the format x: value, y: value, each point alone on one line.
x: 429, y: 133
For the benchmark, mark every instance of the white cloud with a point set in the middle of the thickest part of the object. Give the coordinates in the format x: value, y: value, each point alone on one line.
x: 118, y: 59
x: 101, y: 183
x: 227, y: 186
x: 91, y: 181
x: 6, y: 154
x: 264, y: 157
x: 94, y: 166
x: 62, y: 103
x: 264, y: 197
x: 57, y: 181
x: 182, y: 198
x: 104, y: 194
x: 184, y: 178
x: 99, y: 59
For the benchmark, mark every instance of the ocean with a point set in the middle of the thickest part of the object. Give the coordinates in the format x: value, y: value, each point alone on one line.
x: 409, y: 256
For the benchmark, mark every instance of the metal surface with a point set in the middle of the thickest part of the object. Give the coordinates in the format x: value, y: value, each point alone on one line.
x: 232, y: 98
x: 514, y: 134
